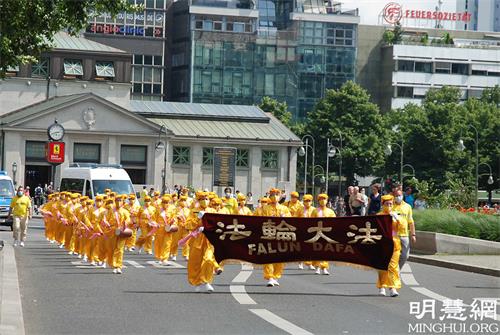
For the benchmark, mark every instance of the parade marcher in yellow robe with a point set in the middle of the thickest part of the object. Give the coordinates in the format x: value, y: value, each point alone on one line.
x: 99, y: 240
x: 322, y: 211
x: 182, y: 213
x: 294, y: 205
x: 273, y: 271
x: 133, y: 208
x: 242, y: 209
x: 119, y: 219
x: 390, y: 278
x: 61, y: 219
x: 147, y: 225
x: 49, y: 212
x: 307, y: 213
x: 201, y: 253
x: 164, y: 217
x: 72, y: 220
x: 259, y: 211
x: 228, y: 201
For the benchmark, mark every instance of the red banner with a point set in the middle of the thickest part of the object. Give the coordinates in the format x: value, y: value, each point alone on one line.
x: 54, y: 152
x: 362, y: 240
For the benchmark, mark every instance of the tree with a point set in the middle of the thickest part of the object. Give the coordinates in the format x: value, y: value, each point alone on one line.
x: 28, y: 26
x: 278, y: 109
x: 431, y: 132
x: 364, y: 132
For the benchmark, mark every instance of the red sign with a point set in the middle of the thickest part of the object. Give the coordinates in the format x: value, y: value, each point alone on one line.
x: 54, y: 152
x: 361, y: 240
x: 393, y: 12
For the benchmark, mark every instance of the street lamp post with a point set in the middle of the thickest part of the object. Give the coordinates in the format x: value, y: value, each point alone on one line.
x: 461, y: 147
x: 14, y: 171
x: 388, y: 152
x: 331, y: 152
x: 490, y: 180
x: 314, y: 175
x: 303, y: 152
x: 159, y: 147
x: 411, y: 167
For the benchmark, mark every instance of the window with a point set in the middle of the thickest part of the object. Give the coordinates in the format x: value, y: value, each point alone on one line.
x: 208, y: 157
x: 73, y: 67
x: 86, y: 153
x: 423, y: 67
x: 269, y: 159
x: 242, y: 157
x: 443, y: 67
x: 405, y: 92
x: 35, y: 151
x: 460, y: 69
x: 105, y: 69
x: 72, y: 185
x: 40, y: 69
x: 134, y: 161
x: 406, y: 65
x: 181, y: 155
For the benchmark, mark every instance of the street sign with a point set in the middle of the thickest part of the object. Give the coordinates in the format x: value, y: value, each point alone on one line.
x: 54, y: 152
x: 224, y: 166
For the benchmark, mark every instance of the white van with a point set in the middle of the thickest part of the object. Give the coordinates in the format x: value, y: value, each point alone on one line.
x: 92, y: 179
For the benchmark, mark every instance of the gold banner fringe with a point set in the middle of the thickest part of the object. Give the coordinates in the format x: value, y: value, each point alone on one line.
x: 260, y: 266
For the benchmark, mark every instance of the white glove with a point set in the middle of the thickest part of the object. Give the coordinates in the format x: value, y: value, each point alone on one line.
x: 201, y: 229
x: 395, y: 216
x: 200, y: 214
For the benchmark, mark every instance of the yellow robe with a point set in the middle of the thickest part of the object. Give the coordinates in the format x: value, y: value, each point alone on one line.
x: 181, y: 215
x: 390, y: 278
x: 163, y: 239
x: 274, y: 270
x: 146, y: 215
x: 201, y: 253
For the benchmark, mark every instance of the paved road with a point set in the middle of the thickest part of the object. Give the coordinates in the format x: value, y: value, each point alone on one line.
x: 59, y: 296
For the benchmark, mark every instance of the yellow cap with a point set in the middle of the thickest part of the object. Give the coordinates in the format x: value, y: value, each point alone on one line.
x: 132, y: 196
x: 183, y: 198
x: 201, y: 194
x: 147, y: 198
x: 75, y: 196
x: 241, y: 197
x: 294, y: 194
x: 89, y: 202
x: 322, y: 196
x: 387, y: 197
x: 99, y: 198
x: 264, y: 200
x: 308, y: 197
x: 157, y: 193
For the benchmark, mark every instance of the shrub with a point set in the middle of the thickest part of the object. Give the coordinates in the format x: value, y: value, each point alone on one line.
x: 450, y: 221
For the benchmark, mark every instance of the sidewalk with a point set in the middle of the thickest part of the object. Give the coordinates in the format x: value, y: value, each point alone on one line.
x: 11, y: 312
x: 483, y: 264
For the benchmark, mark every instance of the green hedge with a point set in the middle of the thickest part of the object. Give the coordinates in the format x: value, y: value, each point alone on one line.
x: 446, y: 221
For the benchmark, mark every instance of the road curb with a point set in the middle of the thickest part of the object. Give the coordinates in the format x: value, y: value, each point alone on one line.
x: 11, y: 311
x: 455, y: 265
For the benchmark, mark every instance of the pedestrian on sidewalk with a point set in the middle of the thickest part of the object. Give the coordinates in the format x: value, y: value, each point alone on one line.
x: 21, y: 211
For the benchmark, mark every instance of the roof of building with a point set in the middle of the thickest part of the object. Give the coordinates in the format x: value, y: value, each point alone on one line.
x: 212, y: 112
x: 267, y: 132
x: 64, y: 41
x: 186, y: 120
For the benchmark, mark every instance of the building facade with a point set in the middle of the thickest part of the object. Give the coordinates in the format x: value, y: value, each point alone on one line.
x: 485, y: 15
x: 238, y: 51
x: 397, y: 74
x: 73, y: 65
x: 143, y: 35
